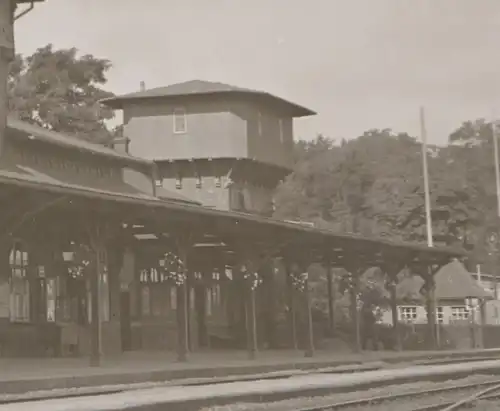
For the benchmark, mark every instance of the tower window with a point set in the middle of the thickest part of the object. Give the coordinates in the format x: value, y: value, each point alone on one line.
x: 180, y: 120
x: 259, y: 123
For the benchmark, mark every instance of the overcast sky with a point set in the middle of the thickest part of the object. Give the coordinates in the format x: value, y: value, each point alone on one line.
x: 360, y: 63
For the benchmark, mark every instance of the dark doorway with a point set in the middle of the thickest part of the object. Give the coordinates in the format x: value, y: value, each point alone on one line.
x: 125, y: 322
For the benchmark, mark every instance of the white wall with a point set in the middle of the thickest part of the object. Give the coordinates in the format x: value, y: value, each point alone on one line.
x: 447, y: 315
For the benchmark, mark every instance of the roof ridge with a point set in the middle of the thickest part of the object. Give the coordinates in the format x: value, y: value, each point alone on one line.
x: 201, y: 87
x: 67, y: 141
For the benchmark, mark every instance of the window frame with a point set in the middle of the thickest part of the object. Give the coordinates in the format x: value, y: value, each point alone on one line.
x: 259, y: 124
x: 439, y: 315
x: 281, y: 126
x: 460, y: 313
x: 152, y: 285
x: 406, y: 317
x: 19, y: 265
x: 179, y: 112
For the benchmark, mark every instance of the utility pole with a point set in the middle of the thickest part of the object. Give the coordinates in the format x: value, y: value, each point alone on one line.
x: 497, y: 180
x: 428, y: 215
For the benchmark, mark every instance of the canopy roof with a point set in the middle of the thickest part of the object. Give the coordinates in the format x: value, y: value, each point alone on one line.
x: 172, y: 216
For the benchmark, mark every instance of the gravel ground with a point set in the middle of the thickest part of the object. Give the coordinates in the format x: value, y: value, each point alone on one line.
x: 403, y: 405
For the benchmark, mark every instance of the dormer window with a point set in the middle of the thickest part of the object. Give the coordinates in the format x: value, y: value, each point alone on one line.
x: 180, y: 120
x: 282, y: 131
x: 259, y: 123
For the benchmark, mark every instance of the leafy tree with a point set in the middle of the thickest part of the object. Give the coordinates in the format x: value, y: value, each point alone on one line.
x: 60, y: 90
x: 346, y: 187
x: 471, y: 149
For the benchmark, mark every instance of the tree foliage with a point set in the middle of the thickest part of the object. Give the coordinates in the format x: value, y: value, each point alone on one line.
x: 373, y: 185
x: 60, y: 90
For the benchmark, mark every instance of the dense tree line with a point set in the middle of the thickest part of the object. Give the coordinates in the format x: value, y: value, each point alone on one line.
x: 373, y: 185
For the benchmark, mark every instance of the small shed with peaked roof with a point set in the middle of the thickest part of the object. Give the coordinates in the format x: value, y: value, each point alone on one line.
x: 454, y: 282
x: 454, y: 286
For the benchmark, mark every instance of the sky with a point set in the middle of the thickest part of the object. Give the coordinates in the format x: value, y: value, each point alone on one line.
x: 361, y: 64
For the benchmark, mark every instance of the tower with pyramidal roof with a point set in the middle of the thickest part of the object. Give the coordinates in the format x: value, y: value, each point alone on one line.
x: 224, y: 146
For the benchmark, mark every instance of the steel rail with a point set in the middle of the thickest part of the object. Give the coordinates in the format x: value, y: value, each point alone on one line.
x: 369, y: 401
x: 442, y: 406
x: 483, y: 394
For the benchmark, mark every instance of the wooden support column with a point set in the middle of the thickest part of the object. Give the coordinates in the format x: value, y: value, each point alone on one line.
x: 248, y: 262
x: 309, y: 349
x: 391, y: 272
x: 395, y: 314
x: 115, y: 264
x: 268, y: 291
x: 331, y: 298
x: 183, y: 246
x: 99, y: 234
x: 430, y: 306
x: 354, y: 308
x: 189, y: 284
x: 482, y: 316
x: 95, y: 322
x: 201, y: 309
x: 292, y: 315
x: 252, y: 346
x: 300, y: 281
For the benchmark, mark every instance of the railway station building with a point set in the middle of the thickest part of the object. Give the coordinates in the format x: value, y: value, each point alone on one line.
x: 170, y: 239
x: 82, y: 220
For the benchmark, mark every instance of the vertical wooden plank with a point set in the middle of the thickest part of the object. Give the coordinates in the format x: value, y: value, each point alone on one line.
x: 430, y: 307
x: 355, y: 311
x: 95, y: 322
x: 183, y: 247
x: 188, y: 313
x: 292, y: 317
x: 394, y: 313
x: 331, y: 298
x: 182, y: 323
x: 252, y: 324
x: 391, y: 272
x: 309, y: 349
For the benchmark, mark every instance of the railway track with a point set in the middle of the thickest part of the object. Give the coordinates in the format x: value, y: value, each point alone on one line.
x: 452, y: 398
x: 310, y: 390
x: 106, y: 390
